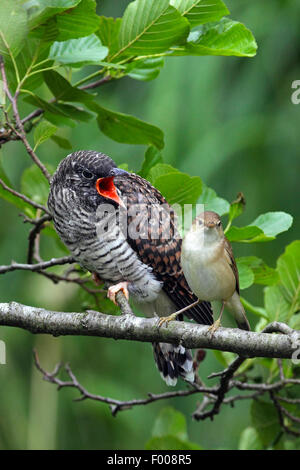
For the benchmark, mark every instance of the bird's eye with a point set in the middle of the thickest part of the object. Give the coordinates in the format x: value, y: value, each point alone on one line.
x: 219, y: 223
x: 87, y: 174
x: 200, y: 222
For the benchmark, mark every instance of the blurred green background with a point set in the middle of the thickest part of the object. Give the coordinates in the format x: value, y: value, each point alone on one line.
x: 228, y: 120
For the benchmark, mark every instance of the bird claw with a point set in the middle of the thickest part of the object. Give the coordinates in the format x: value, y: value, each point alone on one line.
x: 167, y: 320
x: 214, y: 327
x: 113, y: 290
x: 174, y: 315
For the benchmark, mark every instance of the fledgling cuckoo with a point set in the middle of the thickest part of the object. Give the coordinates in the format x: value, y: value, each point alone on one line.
x: 144, y: 262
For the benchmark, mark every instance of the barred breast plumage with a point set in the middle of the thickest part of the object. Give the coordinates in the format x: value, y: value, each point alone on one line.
x: 84, y: 183
x: 110, y: 256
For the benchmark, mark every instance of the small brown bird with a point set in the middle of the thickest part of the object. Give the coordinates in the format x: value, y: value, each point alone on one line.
x: 210, y: 269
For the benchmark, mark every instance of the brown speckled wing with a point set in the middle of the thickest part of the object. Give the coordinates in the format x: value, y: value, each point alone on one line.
x: 232, y: 262
x: 160, y: 252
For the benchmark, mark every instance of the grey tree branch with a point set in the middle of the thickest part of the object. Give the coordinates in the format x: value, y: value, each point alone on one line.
x: 36, y: 267
x: 214, y: 395
x: 127, y: 326
x: 130, y: 327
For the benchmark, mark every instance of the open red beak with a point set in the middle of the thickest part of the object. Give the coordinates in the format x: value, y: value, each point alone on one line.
x: 107, y: 189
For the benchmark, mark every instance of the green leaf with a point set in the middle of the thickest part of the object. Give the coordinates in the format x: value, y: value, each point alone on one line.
x: 63, y: 90
x: 127, y: 129
x: 43, y: 132
x: 212, y: 202
x: 250, y: 440
x: 62, y: 142
x: 170, y: 443
x: 13, y: 27
x: 170, y: 422
x: 176, y: 187
x: 38, y: 102
x: 276, y: 306
x: 34, y: 186
x: 11, y: 198
x: 201, y: 11
x: 42, y: 10
x: 79, y: 52
x: 179, y: 188
x: 152, y: 157
x: 109, y: 33
x: 263, y: 274
x: 31, y: 48
x: 246, y: 275
x: 246, y: 233
x: 288, y: 267
x: 294, y: 322
x: 259, y: 311
x: 59, y: 120
x: 265, y: 420
x: 170, y: 432
x: 146, y: 69
x: 60, y: 114
x: 78, y: 22
x: 51, y: 20
x: 150, y: 27
x: 273, y: 223
x: 264, y: 228
x: 74, y: 112
x: 160, y: 169
x: 220, y: 356
x: 226, y: 38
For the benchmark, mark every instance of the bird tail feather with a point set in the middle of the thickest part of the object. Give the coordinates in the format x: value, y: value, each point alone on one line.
x: 173, y: 362
x: 236, y: 308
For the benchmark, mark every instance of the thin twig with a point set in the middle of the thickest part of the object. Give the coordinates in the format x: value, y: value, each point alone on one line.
x: 56, y: 278
x: 281, y: 413
x: 90, y: 86
x: 97, y: 83
x: 212, y: 395
x: 291, y: 401
x: 223, y: 388
x: 34, y: 236
x: 36, y: 267
x: 24, y: 198
x: 115, y: 405
x: 20, y: 132
x: 37, y: 112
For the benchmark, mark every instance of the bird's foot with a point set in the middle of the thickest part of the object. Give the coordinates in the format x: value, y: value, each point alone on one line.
x: 167, y: 320
x: 174, y: 315
x: 213, y: 328
x: 113, y: 290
